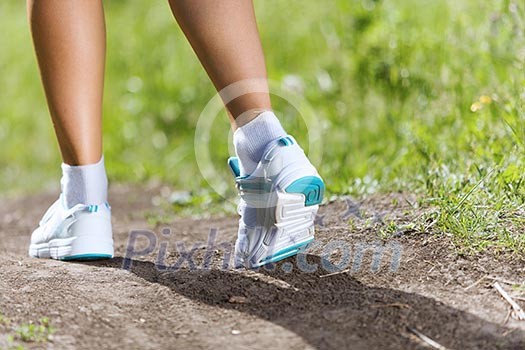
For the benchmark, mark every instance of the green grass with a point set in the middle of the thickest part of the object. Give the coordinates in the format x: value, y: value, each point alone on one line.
x: 36, y: 333
x: 30, y: 332
x: 417, y: 96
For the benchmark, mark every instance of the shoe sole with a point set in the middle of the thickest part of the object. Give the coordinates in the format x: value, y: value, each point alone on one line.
x: 291, y: 221
x: 83, y: 247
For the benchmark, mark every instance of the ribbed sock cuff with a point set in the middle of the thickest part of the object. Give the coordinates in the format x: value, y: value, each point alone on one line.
x: 251, y: 139
x: 84, y: 184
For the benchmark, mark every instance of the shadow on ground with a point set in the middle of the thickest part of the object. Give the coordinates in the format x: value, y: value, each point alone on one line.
x: 332, y: 312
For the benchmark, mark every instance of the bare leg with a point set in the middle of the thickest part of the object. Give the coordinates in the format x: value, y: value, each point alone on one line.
x: 224, y: 36
x: 69, y: 39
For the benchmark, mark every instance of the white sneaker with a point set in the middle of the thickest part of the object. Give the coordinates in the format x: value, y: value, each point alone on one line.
x: 279, y: 201
x: 80, y: 233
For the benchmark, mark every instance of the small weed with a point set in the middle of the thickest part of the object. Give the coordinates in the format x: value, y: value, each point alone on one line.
x: 31, y: 332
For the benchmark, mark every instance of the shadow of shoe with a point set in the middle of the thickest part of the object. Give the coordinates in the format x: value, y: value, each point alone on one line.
x: 331, y: 312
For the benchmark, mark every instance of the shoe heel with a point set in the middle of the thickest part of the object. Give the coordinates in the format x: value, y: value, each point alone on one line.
x: 94, y: 238
x: 312, y: 187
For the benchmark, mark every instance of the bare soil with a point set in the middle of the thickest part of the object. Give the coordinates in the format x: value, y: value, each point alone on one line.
x: 174, y: 303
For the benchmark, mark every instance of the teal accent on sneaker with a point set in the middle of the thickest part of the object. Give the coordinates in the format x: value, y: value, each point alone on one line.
x: 311, y: 186
x: 93, y: 208
x: 286, y: 252
x: 86, y: 257
x: 256, y: 186
x: 286, y: 141
x: 233, y: 163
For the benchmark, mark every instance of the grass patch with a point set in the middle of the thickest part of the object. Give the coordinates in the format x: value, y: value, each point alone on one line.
x: 30, y: 332
x: 34, y: 333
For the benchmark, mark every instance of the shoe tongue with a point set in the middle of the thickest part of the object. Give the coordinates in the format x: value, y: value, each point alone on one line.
x: 233, y: 163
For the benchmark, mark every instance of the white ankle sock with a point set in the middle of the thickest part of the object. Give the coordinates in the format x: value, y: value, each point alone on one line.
x: 84, y: 184
x: 251, y: 139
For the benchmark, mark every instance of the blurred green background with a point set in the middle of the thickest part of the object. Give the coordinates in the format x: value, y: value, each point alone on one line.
x: 418, y: 96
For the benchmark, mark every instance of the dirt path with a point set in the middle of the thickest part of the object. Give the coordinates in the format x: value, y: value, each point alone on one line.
x: 102, y: 305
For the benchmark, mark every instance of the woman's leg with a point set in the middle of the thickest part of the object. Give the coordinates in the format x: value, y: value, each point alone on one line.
x: 69, y: 39
x: 224, y: 36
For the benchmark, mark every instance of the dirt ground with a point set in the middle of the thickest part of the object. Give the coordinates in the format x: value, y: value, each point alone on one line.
x: 421, y: 286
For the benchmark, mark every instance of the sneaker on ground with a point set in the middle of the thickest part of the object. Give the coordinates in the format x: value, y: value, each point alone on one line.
x: 82, y: 232
x: 278, y: 204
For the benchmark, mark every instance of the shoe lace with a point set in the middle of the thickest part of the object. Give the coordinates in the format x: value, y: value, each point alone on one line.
x: 50, y: 213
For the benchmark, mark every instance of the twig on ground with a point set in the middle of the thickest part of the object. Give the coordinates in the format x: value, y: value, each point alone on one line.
x: 508, y: 331
x: 497, y: 279
x: 426, y: 339
x: 508, y: 316
x: 476, y: 283
x: 518, y: 312
x: 427, y: 227
x: 335, y: 273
